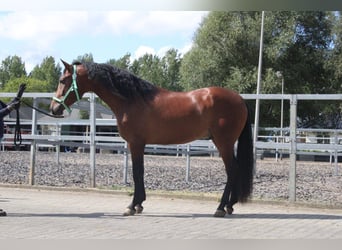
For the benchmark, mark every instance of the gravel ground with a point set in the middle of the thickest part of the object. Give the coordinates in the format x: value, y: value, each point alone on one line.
x: 317, y: 183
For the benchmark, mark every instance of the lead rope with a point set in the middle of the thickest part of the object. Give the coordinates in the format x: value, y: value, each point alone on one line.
x: 42, y: 111
x: 17, y: 131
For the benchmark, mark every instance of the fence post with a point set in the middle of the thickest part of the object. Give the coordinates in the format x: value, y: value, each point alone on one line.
x: 125, y: 167
x: 33, y: 144
x: 58, y: 147
x: 92, y: 139
x: 187, y: 175
x: 336, y: 153
x: 293, y: 148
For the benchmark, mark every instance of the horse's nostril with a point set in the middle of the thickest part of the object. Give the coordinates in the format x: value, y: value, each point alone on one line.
x: 56, y: 109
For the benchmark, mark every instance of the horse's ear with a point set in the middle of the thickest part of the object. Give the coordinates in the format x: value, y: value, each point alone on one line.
x: 66, y: 65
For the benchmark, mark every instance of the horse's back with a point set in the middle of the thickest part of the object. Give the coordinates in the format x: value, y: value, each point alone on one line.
x: 226, y: 95
x: 204, y: 103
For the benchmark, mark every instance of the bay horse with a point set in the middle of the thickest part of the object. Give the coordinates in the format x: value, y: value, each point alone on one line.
x: 147, y: 114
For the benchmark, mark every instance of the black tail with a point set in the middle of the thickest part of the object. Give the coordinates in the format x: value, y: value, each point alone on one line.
x: 245, y: 161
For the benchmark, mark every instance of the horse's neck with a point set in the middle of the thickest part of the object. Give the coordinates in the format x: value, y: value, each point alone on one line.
x: 115, y: 102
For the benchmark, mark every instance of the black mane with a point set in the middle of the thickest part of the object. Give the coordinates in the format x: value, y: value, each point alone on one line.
x: 119, y: 81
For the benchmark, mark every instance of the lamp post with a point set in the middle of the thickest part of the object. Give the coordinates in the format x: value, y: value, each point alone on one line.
x: 280, y: 75
x: 257, y: 101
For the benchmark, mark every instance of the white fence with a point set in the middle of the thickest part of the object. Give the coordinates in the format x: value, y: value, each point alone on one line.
x: 92, y: 140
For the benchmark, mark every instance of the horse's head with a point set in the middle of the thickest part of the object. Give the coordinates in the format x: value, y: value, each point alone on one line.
x: 69, y: 90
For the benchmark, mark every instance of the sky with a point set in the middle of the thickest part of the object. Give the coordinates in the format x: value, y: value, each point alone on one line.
x: 63, y: 34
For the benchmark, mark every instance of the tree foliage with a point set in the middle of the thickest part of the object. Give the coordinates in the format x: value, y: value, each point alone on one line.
x: 32, y: 85
x: 49, y: 72
x: 161, y: 71
x: 122, y: 63
x: 11, y: 67
x: 87, y: 57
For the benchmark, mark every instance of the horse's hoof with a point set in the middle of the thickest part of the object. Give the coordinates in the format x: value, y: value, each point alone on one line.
x: 139, y: 209
x: 229, y: 210
x: 220, y: 213
x: 129, y: 212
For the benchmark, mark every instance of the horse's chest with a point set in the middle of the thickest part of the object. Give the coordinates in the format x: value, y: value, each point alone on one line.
x: 129, y: 126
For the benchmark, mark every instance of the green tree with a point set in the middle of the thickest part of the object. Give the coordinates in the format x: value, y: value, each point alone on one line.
x: 161, y: 71
x: 194, y: 68
x: 224, y: 42
x: 334, y: 60
x: 171, y: 64
x: 304, y: 63
x: 332, y: 114
x: 47, y: 71
x: 32, y: 85
x: 87, y: 57
x: 122, y: 63
x: 149, y: 68
x: 304, y: 58
x: 11, y: 67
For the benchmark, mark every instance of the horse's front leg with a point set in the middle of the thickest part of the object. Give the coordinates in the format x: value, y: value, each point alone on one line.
x: 137, y: 151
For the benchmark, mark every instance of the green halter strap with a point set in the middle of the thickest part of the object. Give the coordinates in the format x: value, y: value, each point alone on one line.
x: 73, y: 88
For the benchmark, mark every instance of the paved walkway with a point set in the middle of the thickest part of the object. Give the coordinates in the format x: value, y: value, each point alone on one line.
x: 50, y: 214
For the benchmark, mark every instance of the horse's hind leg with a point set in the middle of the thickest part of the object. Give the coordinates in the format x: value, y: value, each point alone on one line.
x: 220, y: 211
x: 232, y: 175
x: 229, y: 196
x: 226, y: 152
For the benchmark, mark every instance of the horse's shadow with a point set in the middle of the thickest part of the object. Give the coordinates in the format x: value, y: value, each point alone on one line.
x: 273, y: 216
x: 67, y: 215
x: 100, y: 215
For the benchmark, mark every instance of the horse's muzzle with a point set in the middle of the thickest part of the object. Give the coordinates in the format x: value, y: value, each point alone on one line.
x: 56, y: 108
